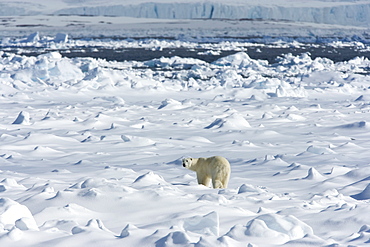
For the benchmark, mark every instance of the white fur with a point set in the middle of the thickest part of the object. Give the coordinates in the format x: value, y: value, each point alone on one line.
x: 215, y: 168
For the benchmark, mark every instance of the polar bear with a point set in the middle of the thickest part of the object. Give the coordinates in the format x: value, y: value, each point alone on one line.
x: 216, y: 168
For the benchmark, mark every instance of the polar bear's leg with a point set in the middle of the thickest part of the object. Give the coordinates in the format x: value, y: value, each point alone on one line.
x: 217, y: 184
x: 225, y: 180
x: 220, y: 180
x: 203, y: 179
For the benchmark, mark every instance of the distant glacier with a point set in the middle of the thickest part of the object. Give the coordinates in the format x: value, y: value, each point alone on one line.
x: 355, y: 13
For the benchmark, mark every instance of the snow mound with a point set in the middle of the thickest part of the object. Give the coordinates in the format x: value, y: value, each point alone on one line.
x: 68, y: 212
x: 355, y: 125
x: 363, y: 98
x: 137, y: 140
x: 319, y: 150
x: 276, y: 228
x: 112, y: 99
x: 93, y: 225
x: 10, y: 183
x: 313, y: 174
x: 207, y: 224
x: 63, y: 225
x: 295, y: 117
x: 232, y: 122
x: 26, y: 223
x: 364, y: 195
x: 150, y: 178
x: 170, y: 104
x: 309, y: 240
x: 14, y: 214
x: 214, y: 198
x: 248, y: 188
x: 23, y: 118
x: 198, y: 139
x: 127, y: 231
x: 15, y: 234
x: 45, y: 151
x: 176, y: 238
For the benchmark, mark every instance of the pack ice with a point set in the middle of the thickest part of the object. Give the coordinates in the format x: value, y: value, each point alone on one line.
x: 91, y: 151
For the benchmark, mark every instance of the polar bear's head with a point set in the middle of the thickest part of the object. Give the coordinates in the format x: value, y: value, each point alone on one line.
x: 187, y: 162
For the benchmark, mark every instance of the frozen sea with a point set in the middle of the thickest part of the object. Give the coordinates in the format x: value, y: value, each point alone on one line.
x: 91, y: 148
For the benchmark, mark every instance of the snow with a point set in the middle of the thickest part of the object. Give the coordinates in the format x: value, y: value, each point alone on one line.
x: 91, y: 149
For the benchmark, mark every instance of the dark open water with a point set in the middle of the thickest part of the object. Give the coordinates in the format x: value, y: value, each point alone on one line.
x: 266, y: 53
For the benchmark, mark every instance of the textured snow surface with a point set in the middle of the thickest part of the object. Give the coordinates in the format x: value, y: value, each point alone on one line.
x: 90, y: 150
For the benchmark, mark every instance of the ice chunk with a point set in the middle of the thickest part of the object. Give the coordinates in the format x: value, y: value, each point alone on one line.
x: 236, y: 59
x: 207, y: 224
x: 54, y: 55
x: 23, y: 118
x: 33, y: 37
x: 229, y: 78
x: 61, y: 38
x: 364, y: 195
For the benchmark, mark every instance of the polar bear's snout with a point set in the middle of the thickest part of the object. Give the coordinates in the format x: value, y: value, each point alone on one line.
x: 186, y: 162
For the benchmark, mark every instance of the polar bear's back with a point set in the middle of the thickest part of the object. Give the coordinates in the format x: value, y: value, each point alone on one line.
x: 219, y: 159
x: 215, y: 163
